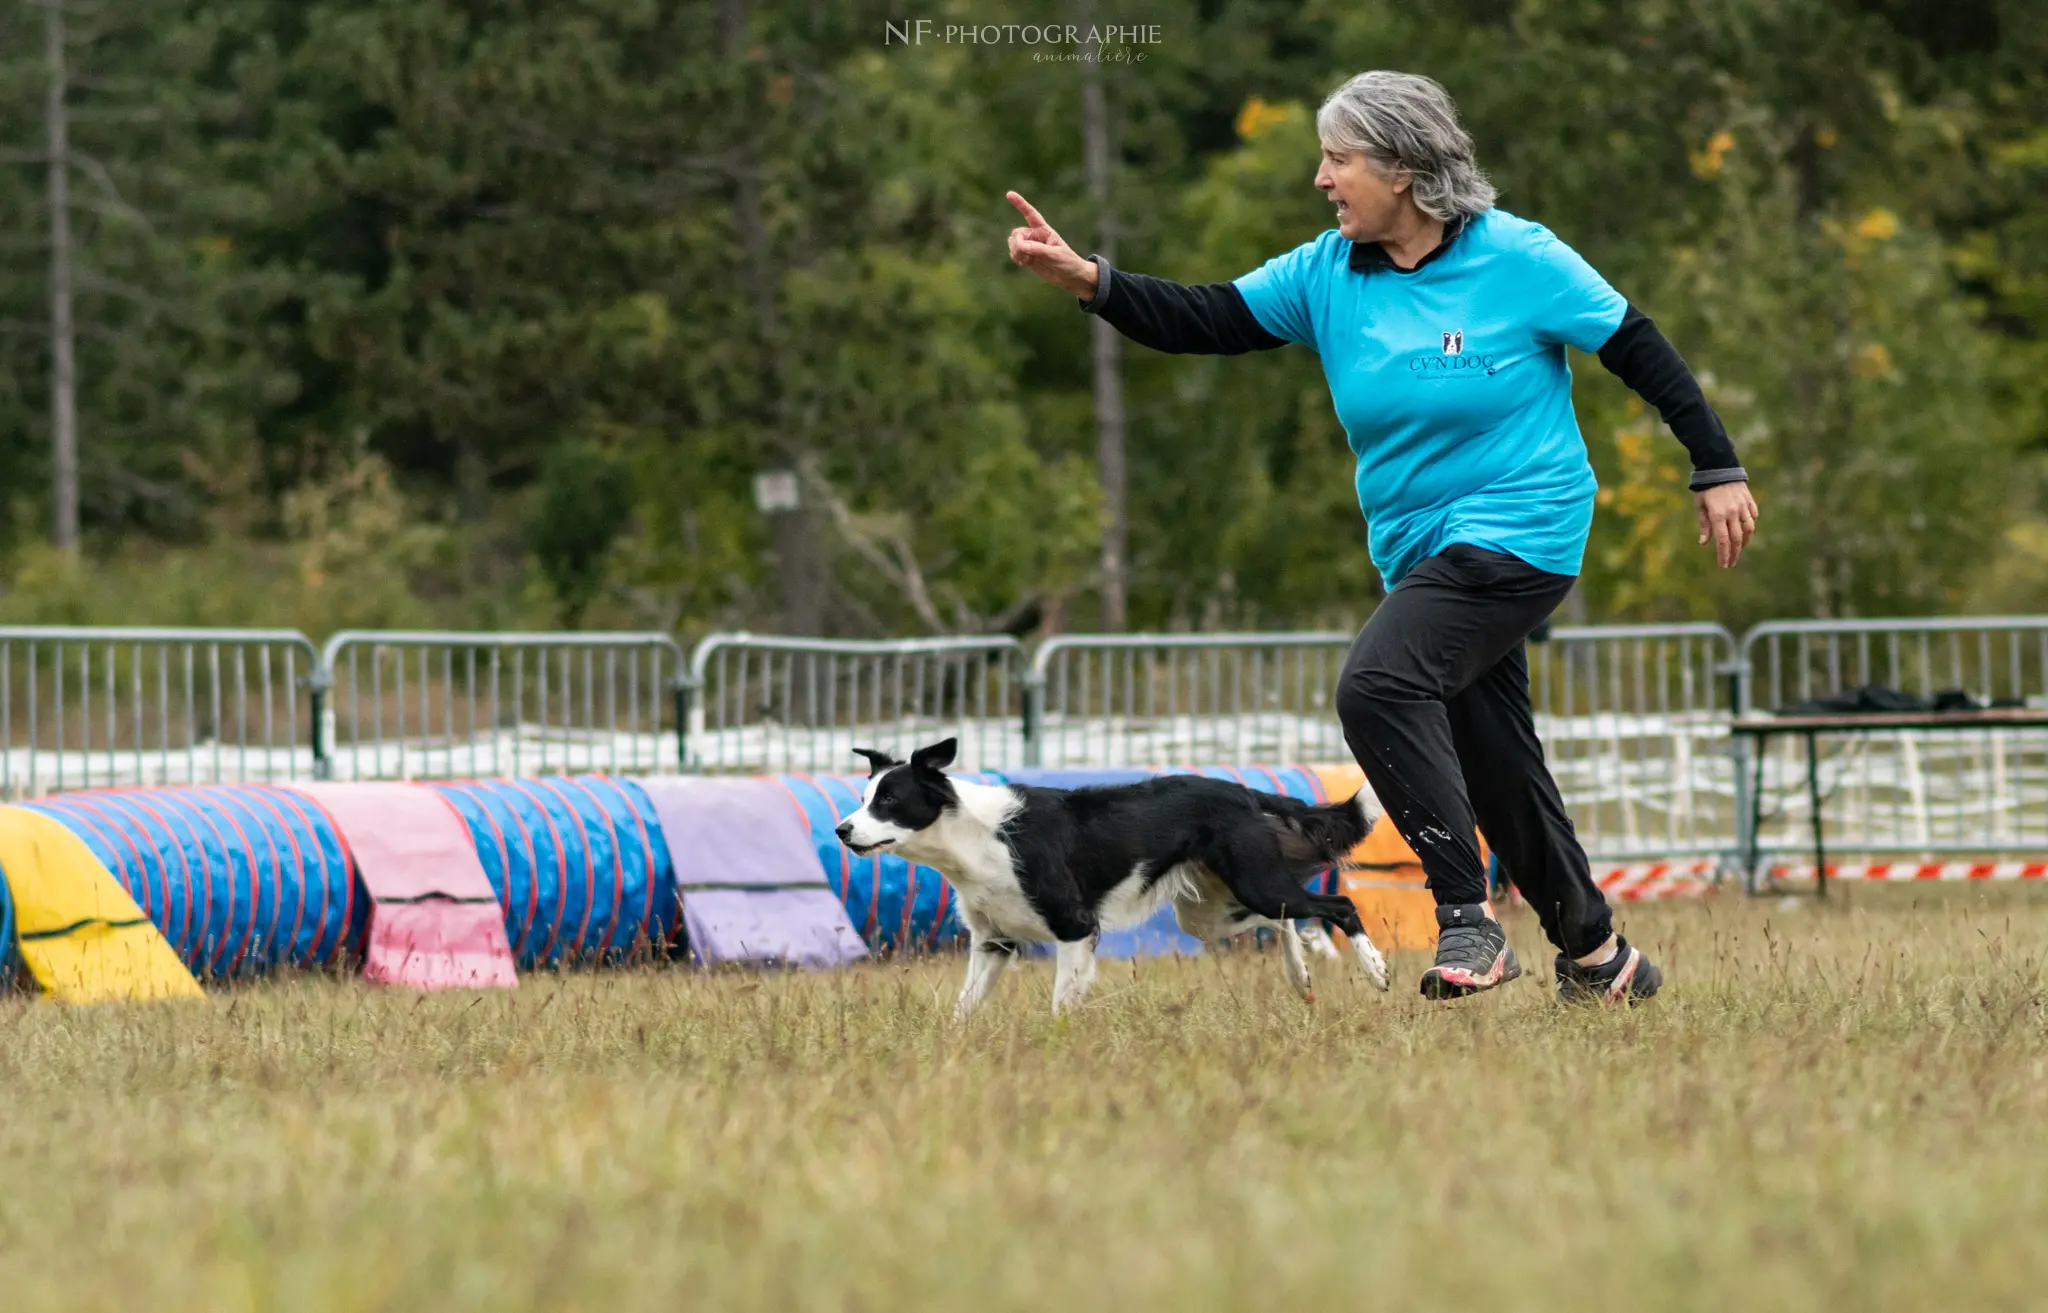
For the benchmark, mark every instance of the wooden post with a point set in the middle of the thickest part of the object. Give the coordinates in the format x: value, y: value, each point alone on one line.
x: 1107, y: 345
x: 63, y: 359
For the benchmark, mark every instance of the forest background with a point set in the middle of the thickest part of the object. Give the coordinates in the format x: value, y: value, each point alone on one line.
x: 410, y: 313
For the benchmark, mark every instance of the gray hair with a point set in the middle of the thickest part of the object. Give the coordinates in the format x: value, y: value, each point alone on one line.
x: 1406, y: 122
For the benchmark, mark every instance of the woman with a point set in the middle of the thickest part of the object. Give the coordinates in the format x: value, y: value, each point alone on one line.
x: 1442, y: 324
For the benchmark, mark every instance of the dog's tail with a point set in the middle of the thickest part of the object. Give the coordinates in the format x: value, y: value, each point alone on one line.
x: 1319, y: 835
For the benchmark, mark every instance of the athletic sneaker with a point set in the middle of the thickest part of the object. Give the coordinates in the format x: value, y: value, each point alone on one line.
x: 1628, y: 977
x: 1472, y: 953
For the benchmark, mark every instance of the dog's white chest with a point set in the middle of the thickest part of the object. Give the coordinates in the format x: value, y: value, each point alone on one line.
x: 983, y: 873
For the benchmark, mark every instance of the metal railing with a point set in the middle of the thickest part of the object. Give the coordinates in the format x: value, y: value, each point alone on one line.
x: 104, y: 707
x: 757, y: 704
x: 1634, y: 718
x: 1911, y: 793
x: 1145, y: 699
x: 436, y: 705
x: 1634, y: 723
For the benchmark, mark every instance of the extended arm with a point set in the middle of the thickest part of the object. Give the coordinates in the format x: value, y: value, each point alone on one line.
x: 1212, y: 319
x: 1207, y: 319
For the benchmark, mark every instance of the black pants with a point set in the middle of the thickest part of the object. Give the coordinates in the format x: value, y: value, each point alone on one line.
x: 1434, y: 697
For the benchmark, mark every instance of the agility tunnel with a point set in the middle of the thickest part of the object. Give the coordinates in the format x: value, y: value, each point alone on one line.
x: 136, y: 893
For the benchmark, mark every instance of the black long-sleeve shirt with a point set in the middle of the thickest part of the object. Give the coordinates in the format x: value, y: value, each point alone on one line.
x: 1213, y: 319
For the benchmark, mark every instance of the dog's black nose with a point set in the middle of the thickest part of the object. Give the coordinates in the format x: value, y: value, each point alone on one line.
x: 845, y: 831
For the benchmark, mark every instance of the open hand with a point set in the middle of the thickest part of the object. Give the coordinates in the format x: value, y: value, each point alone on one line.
x: 1728, y: 517
x: 1044, y: 252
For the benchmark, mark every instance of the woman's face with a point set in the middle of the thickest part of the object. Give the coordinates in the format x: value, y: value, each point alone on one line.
x: 1367, y: 201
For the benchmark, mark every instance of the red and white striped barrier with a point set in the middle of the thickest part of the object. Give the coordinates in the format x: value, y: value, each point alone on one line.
x: 1920, y: 871
x: 1641, y: 882
x: 1638, y: 882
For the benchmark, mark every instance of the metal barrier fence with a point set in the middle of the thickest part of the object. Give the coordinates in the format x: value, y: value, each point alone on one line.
x: 1633, y: 718
x: 1911, y: 793
x: 1143, y: 699
x: 98, y: 707
x: 1634, y: 723
x: 758, y: 703
x: 435, y: 705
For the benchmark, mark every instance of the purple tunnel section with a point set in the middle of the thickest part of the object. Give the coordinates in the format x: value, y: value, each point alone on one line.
x: 239, y: 878
x: 745, y: 862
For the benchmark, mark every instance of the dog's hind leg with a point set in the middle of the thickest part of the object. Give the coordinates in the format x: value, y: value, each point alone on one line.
x: 1316, y: 940
x: 1075, y: 973
x: 1368, y: 956
x: 1295, y: 961
x: 1341, y: 912
x: 1262, y: 883
x: 987, y: 959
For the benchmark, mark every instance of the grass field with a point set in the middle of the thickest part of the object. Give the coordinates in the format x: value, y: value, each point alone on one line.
x: 1831, y: 1107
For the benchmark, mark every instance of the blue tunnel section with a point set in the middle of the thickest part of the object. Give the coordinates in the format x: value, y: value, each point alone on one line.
x: 240, y: 879
x: 10, y: 958
x: 580, y: 866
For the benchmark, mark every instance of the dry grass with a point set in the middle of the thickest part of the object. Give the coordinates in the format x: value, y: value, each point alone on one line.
x: 1832, y: 1107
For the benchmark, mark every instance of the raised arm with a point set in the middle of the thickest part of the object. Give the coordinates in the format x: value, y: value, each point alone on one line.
x: 1209, y: 319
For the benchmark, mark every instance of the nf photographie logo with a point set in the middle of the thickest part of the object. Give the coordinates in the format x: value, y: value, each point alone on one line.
x: 1052, y: 40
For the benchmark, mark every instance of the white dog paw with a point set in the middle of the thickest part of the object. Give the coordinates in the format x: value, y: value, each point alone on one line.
x: 1369, y: 960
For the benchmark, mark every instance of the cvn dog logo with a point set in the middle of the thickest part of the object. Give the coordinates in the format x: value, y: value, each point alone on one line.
x: 1452, y: 362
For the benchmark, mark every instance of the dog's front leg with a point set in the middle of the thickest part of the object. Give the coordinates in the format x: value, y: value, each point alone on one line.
x: 986, y: 960
x: 1076, y: 972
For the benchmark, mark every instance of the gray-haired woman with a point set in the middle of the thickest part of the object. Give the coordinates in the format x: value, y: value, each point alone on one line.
x: 1442, y: 324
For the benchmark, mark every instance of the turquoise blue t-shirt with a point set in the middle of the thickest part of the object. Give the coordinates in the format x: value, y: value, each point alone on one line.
x: 1451, y: 383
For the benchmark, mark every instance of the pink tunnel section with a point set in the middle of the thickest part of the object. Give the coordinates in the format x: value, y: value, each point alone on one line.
x: 435, y: 922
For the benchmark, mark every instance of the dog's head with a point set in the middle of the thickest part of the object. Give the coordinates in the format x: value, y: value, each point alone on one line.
x: 903, y: 799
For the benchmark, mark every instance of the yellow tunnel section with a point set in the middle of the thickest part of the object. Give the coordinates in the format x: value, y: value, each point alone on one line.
x: 81, y: 935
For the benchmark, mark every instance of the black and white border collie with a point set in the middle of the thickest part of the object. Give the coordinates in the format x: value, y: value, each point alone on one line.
x: 1063, y: 865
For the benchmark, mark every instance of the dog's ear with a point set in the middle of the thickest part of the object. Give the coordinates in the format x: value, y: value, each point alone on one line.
x: 878, y: 760
x: 936, y: 757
